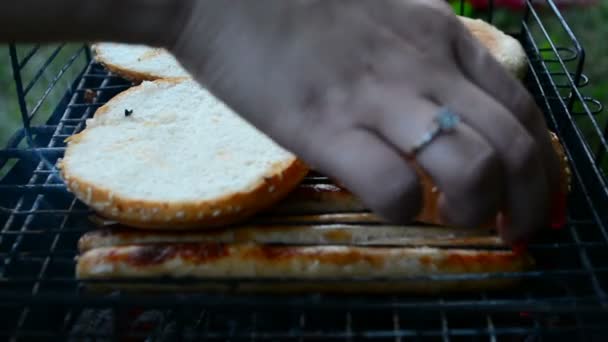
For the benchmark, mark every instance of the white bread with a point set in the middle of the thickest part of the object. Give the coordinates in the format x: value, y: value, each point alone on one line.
x: 181, y: 159
x: 300, y: 234
x: 507, y: 50
x: 138, y: 62
x: 142, y: 63
x: 308, y: 266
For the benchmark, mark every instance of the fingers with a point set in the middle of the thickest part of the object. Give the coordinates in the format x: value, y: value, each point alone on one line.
x: 483, y: 70
x: 526, y: 183
x: 462, y: 163
x: 372, y: 170
x: 422, y: 23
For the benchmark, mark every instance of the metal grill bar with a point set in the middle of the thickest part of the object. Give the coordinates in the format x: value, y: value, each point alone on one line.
x: 29, y: 56
x: 575, y: 92
x: 54, y: 82
x: 577, y: 173
x: 40, y: 72
x: 541, y: 274
x: 41, y: 224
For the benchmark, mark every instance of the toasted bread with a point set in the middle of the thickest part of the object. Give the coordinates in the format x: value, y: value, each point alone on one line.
x: 167, y: 154
x: 301, y: 234
x: 138, y: 63
x: 319, y: 268
x: 506, y: 49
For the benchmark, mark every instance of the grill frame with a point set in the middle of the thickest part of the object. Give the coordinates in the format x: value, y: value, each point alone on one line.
x: 44, y: 222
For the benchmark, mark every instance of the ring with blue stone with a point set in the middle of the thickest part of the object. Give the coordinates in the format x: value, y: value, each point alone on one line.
x: 445, y: 121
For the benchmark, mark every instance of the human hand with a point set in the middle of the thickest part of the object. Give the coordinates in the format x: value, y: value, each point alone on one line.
x: 350, y: 86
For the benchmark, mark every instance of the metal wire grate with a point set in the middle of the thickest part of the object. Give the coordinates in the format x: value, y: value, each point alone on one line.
x: 40, y: 223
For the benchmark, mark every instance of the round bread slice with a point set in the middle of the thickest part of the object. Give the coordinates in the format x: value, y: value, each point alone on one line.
x: 138, y: 62
x: 143, y: 63
x: 506, y: 49
x: 167, y: 154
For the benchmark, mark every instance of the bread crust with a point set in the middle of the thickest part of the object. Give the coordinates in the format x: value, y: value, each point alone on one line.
x: 308, y: 267
x: 507, y: 50
x: 223, y: 211
x: 430, y: 212
x: 329, y: 198
x: 149, y: 214
x: 316, y: 200
x: 127, y: 73
x: 332, y: 234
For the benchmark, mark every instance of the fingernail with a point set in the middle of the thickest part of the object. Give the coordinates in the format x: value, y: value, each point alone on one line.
x: 558, y: 210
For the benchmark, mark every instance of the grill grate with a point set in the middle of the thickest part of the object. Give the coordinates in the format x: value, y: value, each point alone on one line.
x: 40, y: 223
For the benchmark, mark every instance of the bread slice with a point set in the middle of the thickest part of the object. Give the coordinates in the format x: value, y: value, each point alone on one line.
x: 317, y: 199
x: 142, y: 63
x: 325, y: 268
x: 301, y: 234
x: 506, y: 49
x: 167, y: 154
x: 138, y: 62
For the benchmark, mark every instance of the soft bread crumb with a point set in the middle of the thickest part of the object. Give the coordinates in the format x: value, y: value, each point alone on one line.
x: 182, y: 159
x: 507, y: 50
x: 147, y: 62
x: 170, y: 150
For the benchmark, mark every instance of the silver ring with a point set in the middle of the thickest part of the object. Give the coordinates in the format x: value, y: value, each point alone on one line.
x: 445, y: 122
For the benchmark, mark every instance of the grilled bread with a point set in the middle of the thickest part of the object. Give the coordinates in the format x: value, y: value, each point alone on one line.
x: 138, y: 62
x: 318, y: 199
x: 506, y: 49
x: 318, y: 268
x: 300, y: 234
x: 167, y: 154
x: 141, y: 63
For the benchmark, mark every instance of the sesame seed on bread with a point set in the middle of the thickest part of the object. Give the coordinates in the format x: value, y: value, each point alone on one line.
x: 180, y: 159
x: 138, y: 63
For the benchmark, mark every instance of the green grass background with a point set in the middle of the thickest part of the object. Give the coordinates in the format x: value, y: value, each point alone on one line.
x: 588, y: 25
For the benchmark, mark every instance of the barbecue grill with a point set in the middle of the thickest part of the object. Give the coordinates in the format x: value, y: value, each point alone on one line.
x: 564, y: 297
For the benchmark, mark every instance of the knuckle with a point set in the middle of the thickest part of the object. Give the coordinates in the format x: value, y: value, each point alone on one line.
x: 480, y: 172
x: 311, y: 99
x: 475, y: 196
x: 398, y: 198
x: 397, y: 185
x: 523, y: 153
x: 437, y: 13
x: 466, y: 213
